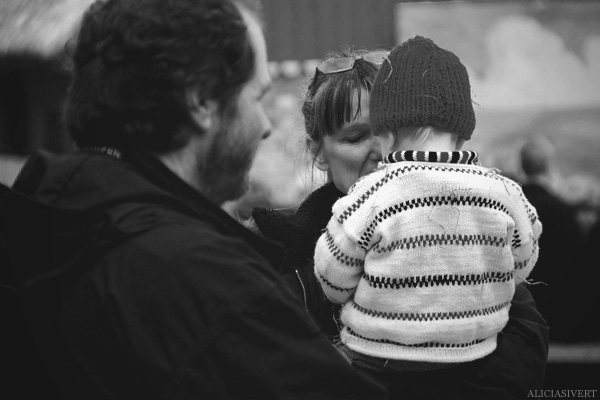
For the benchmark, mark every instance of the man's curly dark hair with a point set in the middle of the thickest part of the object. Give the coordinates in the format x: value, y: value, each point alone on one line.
x: 133, y: 60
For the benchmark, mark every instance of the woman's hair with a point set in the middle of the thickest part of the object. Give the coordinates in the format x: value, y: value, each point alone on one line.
x: 328, y: 98
x: 134, y: 59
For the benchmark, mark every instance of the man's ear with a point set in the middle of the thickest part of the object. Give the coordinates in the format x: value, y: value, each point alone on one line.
x: 204, y: 112
x: 319, y: 158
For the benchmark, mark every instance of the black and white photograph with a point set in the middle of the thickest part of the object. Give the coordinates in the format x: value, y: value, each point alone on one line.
x: 299, y: 199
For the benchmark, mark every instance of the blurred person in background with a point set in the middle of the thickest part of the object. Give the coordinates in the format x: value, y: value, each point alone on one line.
x: 340, y: 142
x: 588, y: 328
x: 166, y: 296
x: 582, y: 192
x: 554, y: 288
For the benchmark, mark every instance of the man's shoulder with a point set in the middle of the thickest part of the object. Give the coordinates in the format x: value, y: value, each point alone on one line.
x: 193, y: 234
x: 192, y: 260
x: 188, y: 241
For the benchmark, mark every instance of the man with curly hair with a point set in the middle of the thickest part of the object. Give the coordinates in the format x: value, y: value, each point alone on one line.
x: 156, y: 292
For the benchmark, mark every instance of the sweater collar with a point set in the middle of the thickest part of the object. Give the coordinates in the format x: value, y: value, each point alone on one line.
x: 452, y: 157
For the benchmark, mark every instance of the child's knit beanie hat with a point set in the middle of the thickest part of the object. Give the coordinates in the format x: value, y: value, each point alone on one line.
x: 422, y: 85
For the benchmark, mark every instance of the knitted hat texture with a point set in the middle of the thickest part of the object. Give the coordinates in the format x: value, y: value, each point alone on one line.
x: 421, y: 85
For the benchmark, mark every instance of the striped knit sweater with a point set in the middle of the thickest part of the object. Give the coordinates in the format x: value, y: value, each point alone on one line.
x: 425, y: 253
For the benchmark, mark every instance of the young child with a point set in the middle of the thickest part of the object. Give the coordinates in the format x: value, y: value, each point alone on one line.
x: 426, y: 251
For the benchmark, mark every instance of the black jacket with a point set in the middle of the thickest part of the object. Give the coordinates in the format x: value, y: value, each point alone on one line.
x: 164, y: 296
x: 298, y: 233
x: 510, y: 372
x: 560, y: 290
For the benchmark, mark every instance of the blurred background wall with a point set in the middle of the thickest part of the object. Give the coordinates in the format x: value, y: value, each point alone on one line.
x: 534, y: 65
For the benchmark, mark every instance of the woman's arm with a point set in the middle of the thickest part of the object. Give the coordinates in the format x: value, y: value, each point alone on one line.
x: 519, y: 362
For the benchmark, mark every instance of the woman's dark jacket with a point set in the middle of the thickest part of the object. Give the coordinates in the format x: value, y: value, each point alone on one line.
x: 298, y: 233
x: 515, y: 367
x: 163, y: 295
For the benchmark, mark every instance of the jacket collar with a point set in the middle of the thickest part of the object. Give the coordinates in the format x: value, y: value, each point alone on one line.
x: 96, y: 181
x: 154, y: 170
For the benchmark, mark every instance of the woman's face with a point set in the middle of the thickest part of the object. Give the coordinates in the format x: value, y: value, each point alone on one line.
x: 352, y: 151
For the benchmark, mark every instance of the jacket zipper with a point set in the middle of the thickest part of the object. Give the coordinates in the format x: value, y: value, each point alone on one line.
x: 303, y: 289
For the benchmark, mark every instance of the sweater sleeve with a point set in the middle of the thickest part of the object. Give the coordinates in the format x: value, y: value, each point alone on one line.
x: 339, y: 262
x: 526, y: 235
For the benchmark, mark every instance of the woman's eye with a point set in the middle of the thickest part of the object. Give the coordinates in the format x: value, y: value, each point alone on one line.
x: 355, y: 133
x: 354, y: 138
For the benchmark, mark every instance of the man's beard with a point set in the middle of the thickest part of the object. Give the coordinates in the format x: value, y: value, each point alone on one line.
x: 224, y: 171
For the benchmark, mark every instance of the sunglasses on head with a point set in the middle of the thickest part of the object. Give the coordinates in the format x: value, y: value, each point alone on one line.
x: 336, y: 65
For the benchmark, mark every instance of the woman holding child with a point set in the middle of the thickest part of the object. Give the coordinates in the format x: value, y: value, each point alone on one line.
x: 339, y: 138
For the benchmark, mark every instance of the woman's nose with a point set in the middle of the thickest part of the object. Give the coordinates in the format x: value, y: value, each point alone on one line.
x: 375, y: 153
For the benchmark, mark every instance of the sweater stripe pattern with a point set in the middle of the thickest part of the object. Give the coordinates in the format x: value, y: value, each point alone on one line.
x: 425, y: 254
